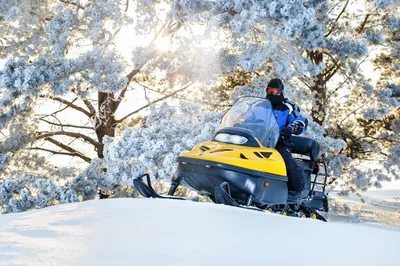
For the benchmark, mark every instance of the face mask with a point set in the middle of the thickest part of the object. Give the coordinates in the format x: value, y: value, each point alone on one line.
x: 275, y: 99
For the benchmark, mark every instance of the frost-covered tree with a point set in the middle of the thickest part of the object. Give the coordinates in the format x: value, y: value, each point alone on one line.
x: 66, y: 55
x: 346, y: 101
x: 340, y: 97
x: 41, y: 43
x: 154, y: 145
x: 341, y: 94
x: 64, y: 52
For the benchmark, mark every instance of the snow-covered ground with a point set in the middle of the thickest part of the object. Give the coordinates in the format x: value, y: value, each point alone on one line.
x: 387, y: 194
x: 379, y: 208
x: 167, y: 232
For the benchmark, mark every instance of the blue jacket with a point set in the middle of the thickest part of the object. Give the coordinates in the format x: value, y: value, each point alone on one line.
x: 288, y: 113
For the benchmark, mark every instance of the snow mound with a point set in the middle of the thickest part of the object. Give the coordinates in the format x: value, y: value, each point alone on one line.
x: 168, y: 232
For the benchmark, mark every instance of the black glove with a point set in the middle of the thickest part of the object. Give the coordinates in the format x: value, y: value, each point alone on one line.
x: 287, y: 132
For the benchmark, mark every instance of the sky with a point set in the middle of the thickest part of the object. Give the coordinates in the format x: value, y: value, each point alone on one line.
x: 153, y: 232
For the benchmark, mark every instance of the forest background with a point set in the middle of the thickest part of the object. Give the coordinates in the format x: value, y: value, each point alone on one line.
x: 120, y: 88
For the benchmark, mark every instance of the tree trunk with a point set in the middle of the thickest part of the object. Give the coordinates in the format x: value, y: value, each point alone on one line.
x: 105, y: 122
x: 318, y: 89
x: 318, y: 111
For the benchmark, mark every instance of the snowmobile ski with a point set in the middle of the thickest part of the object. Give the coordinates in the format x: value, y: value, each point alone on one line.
x: 147, y: 191
x: 222, y: 195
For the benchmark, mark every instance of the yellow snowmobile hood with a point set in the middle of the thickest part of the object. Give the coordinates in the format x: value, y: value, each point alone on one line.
x: 260, y: 159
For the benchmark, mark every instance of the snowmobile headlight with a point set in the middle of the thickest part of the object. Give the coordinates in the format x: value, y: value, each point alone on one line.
x: 234, y: 139
x: 222, y: 137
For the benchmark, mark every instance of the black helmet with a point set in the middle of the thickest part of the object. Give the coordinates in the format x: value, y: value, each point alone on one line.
x: 274, y: 92
x: 277, y: 84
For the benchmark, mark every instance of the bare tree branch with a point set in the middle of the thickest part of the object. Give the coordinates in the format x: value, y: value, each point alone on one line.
x: 64, y: 125
x: 384, y: 154
x: 122, y: 94
x: 328, y: 73
x: 380, y: 139
x: 332, y: 72
x: 117, y: 121
x: 67, y: 103
x: 55, y: 117
x: 352, y: 113
x: 333, y: 8
x: 43, y: 135
x: 336, y: 20
x: 67, y: 148
x: 303, y: 80
x: 169, y: 28
x: 54, y: 113
x: 74, y: 3
x: 362, y: 26
x: 330, y: 56
x: 147, y: 87
x: 127, y: 5
x: 87, y: 159
x: 348, y: 76
x: 90, y: 107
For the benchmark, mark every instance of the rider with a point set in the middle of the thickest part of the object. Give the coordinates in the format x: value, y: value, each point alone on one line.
x: 287, y: 114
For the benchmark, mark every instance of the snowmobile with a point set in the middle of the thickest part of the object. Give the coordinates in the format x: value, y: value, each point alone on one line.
x: 240, y: 167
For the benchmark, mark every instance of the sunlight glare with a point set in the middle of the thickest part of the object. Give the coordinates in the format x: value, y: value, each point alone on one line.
x: 163, y: 8
x: 163, y: 45
x: 2, y: 63
x: 83, y: 2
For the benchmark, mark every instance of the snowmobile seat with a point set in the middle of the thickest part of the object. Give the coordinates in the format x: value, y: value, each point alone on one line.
x: 306, y: 146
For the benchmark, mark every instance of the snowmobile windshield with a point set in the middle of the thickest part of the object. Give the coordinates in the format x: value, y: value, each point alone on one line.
x: 254, y: 114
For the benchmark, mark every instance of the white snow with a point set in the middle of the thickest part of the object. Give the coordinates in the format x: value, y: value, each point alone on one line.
x: 387, y: 194
x: 171, y: 232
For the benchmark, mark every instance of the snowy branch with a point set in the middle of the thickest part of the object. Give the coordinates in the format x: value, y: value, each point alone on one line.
x: 153, y: 102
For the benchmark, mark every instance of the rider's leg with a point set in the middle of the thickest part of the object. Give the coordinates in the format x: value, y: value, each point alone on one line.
x: 296, y: 180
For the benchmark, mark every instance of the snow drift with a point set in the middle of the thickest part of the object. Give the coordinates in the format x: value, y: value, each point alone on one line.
x: 167, y: 232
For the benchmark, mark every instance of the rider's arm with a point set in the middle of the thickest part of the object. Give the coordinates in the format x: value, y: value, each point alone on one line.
x: 299, y: 124
x: 295, y: 120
